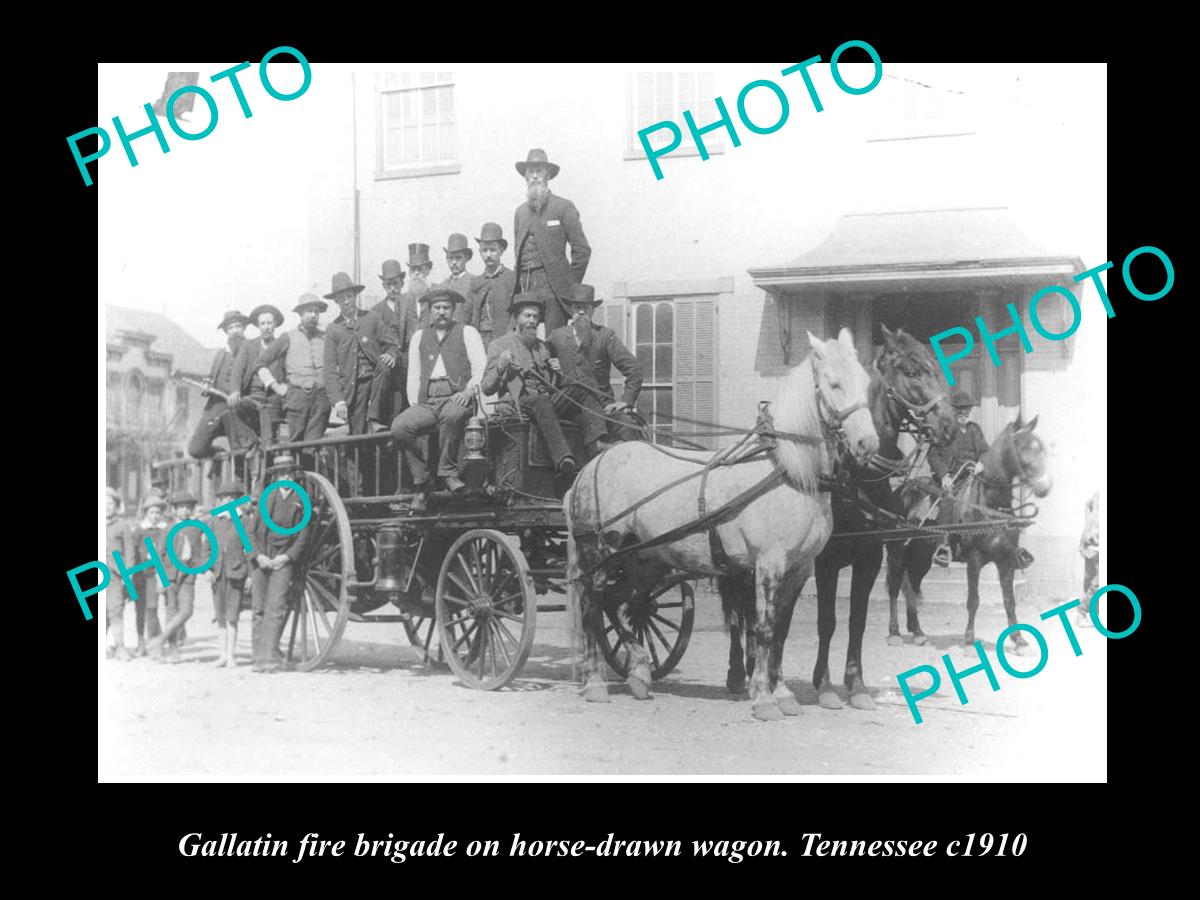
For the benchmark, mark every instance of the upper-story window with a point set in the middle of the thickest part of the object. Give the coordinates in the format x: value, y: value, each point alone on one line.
x: 417, y: 124
x: 663, y: 96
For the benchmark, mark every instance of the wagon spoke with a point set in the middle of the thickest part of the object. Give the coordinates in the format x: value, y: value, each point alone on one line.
x: 462, y: 587
x: 500, y: 626
x: 316, y: 632
x: 666, y: 644
x: 501, y: 644
x: 505, y: 614
x: 459, y: 617
x: 466, y: 634
x: 666, y: 622
x: 646, y: 641
x: 471, y: 578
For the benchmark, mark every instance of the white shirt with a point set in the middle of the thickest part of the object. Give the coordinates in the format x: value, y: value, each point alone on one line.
x: 475, y: 353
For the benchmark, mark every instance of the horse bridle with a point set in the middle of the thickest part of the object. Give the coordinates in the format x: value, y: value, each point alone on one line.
x: 833, y: 424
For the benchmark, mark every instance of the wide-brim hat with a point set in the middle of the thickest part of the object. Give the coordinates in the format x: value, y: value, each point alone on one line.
x: 229, y: 489
x: 282, y: 460
x: 443, y: 294
x: 520, y: 300
x: 584, y: 293
x: 537, y: 156
x: 492, y: 232
x: 458, y: 244
x: 232, y: 316
x: 391, y: 269
x: 961, y: 400
x: 266, y: 308
x: 418, y: 255
x: 180, y: 498
x: 152, y: 501
x: 341, y: 283
x: 307, y: 300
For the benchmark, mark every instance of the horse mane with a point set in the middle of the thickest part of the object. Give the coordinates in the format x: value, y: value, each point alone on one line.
x: 795, y: 411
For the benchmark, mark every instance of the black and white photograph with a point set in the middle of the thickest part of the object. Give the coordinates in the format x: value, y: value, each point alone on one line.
x: 551, y: 422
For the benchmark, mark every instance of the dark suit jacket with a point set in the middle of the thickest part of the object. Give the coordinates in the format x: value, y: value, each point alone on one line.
x: 409, y: 322
x: 967, y: 445
x: 556, y: 226
x: 222, y: 371
x: 231, y: 561
x: 605, y: 351
x: 391, y: 326
x: 348, y: 350
x: 245, y: 373
x: 286, y: 513
x: 495, y: 294
x: 197, y: 544
x: 513, y: 385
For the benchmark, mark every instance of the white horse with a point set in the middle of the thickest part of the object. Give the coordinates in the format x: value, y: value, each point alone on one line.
x: 765, y: 508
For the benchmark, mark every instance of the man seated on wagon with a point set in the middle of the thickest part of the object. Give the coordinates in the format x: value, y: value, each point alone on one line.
x: 588, y: 352
x: 962, y: 453
x: 523, y: 370
x: 446, y: 363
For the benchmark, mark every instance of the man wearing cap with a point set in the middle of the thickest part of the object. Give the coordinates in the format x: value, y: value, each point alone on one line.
x: 248, y: 387
x: 521, y: 368
x: 191, y: 549
x: 359, y: 355
x: 119, y: 536
x: 146, y: 582
x: 542, y: 228
x: 390, y: 312
x: 588, y: 352
x: 446, y: 363
x: 966, y: 448
x: 458, y: 254
x: 302, y: 387
x: 491, y: 292
x: 219, y: 415
x: 275, y: 556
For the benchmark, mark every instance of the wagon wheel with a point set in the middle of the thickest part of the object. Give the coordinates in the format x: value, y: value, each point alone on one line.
x: 319, y: 598
x: 486, y: 609
x: 662, y: 624
x: 421, y: 631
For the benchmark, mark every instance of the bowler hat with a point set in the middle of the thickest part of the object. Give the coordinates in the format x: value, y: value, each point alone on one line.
x: 492, y: 232
x: 229, y: 488
x: 232, y: 316
x: 538, y: 157
x: 343, y: 282
x: 391, y: 269
x: 418, y: 254
x: 458, y: 244
x: 180, y: 498
x: 307, y: 300
x: 266, y: 308
x: 283, y: 459
x: 443, y: 294
x: 520, y: 300
x: 153, y: 500
x: 961, y: 400
x: 584, y: 293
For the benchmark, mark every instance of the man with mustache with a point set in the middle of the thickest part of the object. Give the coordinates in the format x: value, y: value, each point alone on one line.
x: 247, y: 386
x: 446, y: 363
x: 487, y: 303
x: 358, y: 358
x: 390, y: 313
x: 522, y: 369
x: 217, y: 418
x: 419, y: 267
x: 588, y: 352
x: 302, y: 386
x: 458, y: 254
x: 543, y: 227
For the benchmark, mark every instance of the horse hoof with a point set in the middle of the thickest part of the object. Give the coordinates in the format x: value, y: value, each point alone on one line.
x: 639, y: 688
x: 862, y: 700
x: 969, y: 639
x: 1021, y: 649
x: 920, y: 639
x: 829, y: 699
x: 596, y: 693
x: 894, y: 640
x: 788, y: 705
x: 767, y: 711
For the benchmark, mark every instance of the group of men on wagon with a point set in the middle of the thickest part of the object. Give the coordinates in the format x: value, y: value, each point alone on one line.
x: 412, y: 364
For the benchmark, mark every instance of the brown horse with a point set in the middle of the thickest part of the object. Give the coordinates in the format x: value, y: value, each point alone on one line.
x: 774, y: 522
x: 1016, y: 459
x: 905, y: 393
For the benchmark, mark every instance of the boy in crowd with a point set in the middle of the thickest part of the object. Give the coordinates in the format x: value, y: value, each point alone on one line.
x: 275, y: 556
x: 192, y: 550
x: 118, y: 535
x: 228, y: 575
x: 149, y: 588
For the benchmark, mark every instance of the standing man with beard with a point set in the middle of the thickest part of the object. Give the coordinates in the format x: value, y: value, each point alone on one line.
x: 588, y: 352
x: 358, y: 358
x: 302, y: 387
x: 390, y: 313
x: 521, y: 368
x: 543, y: 227
x: 245, y: 376
x: 220, y: 415
x: 491, y: 292
x: 447, y: 360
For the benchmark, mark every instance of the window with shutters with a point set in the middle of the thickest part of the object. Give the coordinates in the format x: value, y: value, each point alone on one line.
x: 675, y: 341
x: 663, y: 96
x: 417, y: 125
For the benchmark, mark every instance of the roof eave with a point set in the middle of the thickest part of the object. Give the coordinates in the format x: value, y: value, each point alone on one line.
x: 1026, y: 267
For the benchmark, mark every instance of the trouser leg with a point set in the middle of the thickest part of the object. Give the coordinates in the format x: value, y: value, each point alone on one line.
x: 318, y: 419
x: 114, y: 618
x: 540, y: 408
x: 357, y: 406
x: 452, y: 421
x: 258, y: 607
x: 590, y: 417
x: 170, y: 608
x: 275, y: 610
x: 148, y: 597
x: 407, y: 430
x: 183, y: 597
x: 211, y: 425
